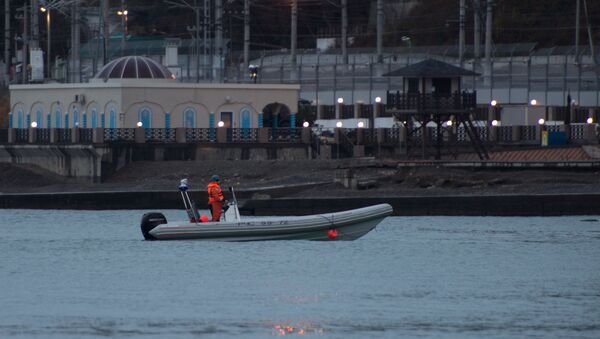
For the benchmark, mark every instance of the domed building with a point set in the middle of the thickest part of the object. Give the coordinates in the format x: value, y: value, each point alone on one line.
x: 134, y: 89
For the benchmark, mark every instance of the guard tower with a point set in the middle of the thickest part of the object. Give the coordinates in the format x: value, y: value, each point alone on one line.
x: 433, y: 93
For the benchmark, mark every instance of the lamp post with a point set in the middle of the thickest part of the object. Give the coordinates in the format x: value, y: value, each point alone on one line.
x: 533, y: 102
x: 123, y: 13
x: 408, y: 41
x: 48, y: 59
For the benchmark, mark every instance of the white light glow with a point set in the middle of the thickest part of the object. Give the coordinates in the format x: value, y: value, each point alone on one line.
x: 449, y: 123
x: 34, y: 124
x: 360, y: 124
x: 340, y: 100
x: 220, y: 124
x: 338, y: 124
x: 541, y: 121
x: 590, y: 120
x: 305, y: 124
x: 533, y: 102
x: 139, y: 124
x: 377, y: 99
x: 494, y: 103
x: 494, y: 122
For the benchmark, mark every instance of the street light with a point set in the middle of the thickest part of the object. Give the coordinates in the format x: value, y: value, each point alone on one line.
x: 377, y: 99
x: 533, y: 102
x: 34, y: 124
x: 590, y: 120
x: 124, y: 14
x: 47, y: 11
x: 339, y: 124
x: 305, y: 124
x: 220, y: 124
x: 340, y: 100
x: 360, y: 124
x: 139, y: 124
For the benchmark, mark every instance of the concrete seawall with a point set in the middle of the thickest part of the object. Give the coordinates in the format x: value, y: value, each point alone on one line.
x: 487, y: 205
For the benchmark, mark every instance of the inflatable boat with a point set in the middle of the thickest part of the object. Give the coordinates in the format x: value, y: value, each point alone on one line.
x: 345, y: 225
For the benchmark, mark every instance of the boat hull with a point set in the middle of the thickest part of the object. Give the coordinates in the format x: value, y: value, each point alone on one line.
x: 346, y: 225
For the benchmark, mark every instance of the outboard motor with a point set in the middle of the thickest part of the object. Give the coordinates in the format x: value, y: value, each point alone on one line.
x: 149, y: 221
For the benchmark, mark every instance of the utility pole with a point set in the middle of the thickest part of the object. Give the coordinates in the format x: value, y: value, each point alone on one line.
x: 25, y: 43
x: 589, y: 31
x: 294, y: 35
x: 35, y: 24
x: 246, y: 34
x: 577, y: 11
x: 344, y: 32
x: 219, y: 37
x: 488, y: 33
x: 7, y: 60
x: 105, y: 27
x: 206, y: 25
x: 75, y: 40
x: 124, y: 24
x: 461, y: 33
x: 197, y: 39
x: 476, y: 32
x: 379, y: 31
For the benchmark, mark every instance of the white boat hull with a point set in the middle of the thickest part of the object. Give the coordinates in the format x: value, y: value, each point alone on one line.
x: 346, y: 225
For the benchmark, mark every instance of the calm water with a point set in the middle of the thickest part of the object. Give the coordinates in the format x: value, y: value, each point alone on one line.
x: 89, y: 274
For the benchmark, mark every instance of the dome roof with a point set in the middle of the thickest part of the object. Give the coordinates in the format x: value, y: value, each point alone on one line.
x: 134, y: 67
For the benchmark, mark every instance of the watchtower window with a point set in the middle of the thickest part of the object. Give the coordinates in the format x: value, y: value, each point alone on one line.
x: 413, y: 85
x: 442, y: 85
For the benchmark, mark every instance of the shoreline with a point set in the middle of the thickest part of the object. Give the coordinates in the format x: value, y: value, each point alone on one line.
x: 441, y: 205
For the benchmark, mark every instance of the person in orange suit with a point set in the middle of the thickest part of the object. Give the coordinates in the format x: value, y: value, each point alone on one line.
x: 215, y: 198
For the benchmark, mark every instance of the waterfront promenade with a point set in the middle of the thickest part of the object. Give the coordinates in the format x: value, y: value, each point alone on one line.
x: 550, y: 187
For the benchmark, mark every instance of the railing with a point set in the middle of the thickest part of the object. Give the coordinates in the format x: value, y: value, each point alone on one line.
x: 3, y: 135
x: 289, y: 135
x: 22, y: 135
x: 244, y: 135
x: 577, y: 132
x: 348, y: 112
x: 366, y: 111
x: 328, y: 112
x: 42, y: 135
x: 528, y: 133
x: 430, y: 101
x: 86, y: 135
x: 201, y: 135
x: 64, y: 136
x: 390, y: 136
x: 164, y: 135
x: 119, y: 134
x: 505, y: 134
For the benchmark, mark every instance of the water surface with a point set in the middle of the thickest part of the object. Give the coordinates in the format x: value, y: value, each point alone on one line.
x: 88, y: 274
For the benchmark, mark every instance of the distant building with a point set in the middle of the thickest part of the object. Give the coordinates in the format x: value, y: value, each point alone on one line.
x: 135, y: 89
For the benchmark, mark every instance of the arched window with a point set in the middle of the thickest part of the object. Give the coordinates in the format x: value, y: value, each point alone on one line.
x: 38, y: 117
x: 145, y: 116
x: 57, y: 117
x: 76, y: 117
x: 112, y: 118
x: 189, y: 118
x: 245, y: 118
x: 20, y: 121
x: 94, y: 118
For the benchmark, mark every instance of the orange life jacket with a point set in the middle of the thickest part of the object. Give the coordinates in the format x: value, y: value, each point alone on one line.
x: 214, y: 192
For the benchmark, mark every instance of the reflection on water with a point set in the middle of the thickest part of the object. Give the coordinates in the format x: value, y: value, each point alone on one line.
x: 89, y: 274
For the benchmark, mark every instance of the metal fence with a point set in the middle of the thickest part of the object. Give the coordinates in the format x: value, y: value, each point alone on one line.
x: 543, y: 71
